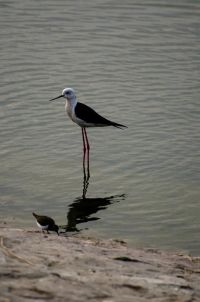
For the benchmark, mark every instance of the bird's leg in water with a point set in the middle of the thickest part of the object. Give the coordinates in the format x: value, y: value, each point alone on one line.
x: 86, y: 173
x: 84, y: 150
x: 87, y: 153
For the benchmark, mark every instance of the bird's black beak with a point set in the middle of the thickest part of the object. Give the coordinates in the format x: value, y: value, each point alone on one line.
x: 60, y: 96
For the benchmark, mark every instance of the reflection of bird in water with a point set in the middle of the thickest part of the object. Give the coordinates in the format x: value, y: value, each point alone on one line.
x: 82, y: 208
x: 85, y: 117
x: 46, y: 223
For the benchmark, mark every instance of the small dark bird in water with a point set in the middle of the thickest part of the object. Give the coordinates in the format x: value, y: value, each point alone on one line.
x: 46, y: 223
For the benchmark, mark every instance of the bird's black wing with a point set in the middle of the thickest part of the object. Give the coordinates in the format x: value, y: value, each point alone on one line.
x: 45, y: 220
x: 89, y: 115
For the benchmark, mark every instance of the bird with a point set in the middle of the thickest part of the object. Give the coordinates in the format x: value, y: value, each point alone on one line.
x: 46, y: 223
x: 83, y: 115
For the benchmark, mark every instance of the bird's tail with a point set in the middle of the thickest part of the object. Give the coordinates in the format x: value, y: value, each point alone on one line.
x: 120, y: 126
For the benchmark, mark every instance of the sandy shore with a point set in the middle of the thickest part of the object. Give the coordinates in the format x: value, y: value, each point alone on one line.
x: 38, y: 267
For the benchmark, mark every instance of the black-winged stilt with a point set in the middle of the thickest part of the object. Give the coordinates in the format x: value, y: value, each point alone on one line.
x: 84, y: 116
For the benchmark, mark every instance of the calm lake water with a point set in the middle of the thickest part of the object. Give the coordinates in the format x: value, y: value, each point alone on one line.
x: 135, y: 62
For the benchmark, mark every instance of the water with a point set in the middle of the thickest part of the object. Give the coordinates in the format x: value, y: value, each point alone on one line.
x: 135, y: 62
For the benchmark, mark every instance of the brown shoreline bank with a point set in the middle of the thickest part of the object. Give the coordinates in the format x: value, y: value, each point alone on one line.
x: 38, y: 267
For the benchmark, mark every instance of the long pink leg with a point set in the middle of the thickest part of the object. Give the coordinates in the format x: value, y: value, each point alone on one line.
x: 87, y: 141
x: 84, y: 148
x: 86, y: 176
x: 88, y: 152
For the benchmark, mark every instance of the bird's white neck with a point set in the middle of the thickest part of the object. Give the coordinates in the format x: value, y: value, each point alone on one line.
x: 70, y: 106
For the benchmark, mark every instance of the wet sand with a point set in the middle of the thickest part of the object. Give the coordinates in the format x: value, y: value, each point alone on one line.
x: 38, y: 267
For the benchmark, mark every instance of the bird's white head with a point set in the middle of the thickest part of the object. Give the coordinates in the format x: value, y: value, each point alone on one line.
x: 68, y: 93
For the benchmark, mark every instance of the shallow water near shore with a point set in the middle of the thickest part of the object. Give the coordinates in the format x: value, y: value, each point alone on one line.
x: 135, y: 62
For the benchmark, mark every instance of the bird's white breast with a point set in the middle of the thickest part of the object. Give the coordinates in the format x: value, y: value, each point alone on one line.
x: 43, y: 227
x: 70, y: 110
